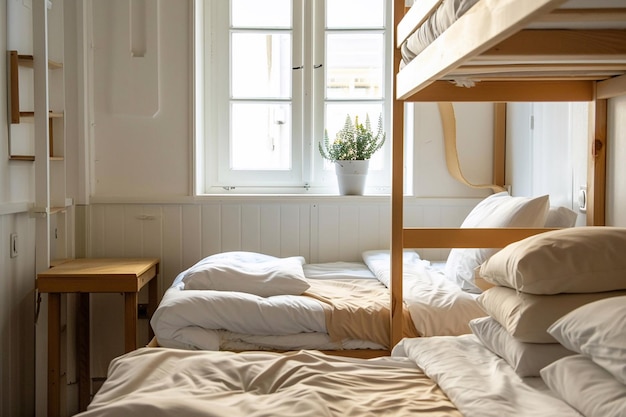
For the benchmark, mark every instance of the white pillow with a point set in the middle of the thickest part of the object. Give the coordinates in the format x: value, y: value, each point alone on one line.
x: 497, y: 210
x: 586, y: 387
x: 574, y: 260
x: 527, y: 316
x: 597, y: 330
x: 561, y: 217
x: 526, y: 359
x: 248, y: 272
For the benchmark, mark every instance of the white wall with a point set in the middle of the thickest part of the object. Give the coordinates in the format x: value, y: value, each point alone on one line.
x: 17, y: 275
x: 141, y: 104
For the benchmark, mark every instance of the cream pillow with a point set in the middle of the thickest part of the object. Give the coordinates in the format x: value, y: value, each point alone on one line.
x: 526, y: 359
x: 527, y: 316
x: 586, y: 386
x: 597, y: 330
x: 574, y: 260
x: 497, y: 210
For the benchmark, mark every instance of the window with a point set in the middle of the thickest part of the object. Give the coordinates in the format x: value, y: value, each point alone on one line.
x: 272, y: 75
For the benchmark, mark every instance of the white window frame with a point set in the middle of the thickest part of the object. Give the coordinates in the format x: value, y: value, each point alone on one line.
x: 307, y: 175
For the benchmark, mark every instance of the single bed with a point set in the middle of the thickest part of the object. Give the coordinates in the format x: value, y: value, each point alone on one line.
x: 250, y: 301
x: 330, y: 306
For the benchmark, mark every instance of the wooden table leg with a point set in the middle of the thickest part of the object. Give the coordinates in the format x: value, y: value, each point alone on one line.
x: 84, y: 371
x: 130, y: 321
x: 54, y: 354
x: 153, y: 299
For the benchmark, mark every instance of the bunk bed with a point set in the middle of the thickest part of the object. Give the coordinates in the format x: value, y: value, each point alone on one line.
x: 505, y: 51
x: 495, y: 65
x: 445, y: 375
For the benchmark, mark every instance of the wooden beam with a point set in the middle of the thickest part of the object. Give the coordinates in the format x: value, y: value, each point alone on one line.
x: 397, y: 205
x: 424, y: 237
x: 14, y: 87
x: 596, y: 169
x: 507, y: 91
x: 556, y: 45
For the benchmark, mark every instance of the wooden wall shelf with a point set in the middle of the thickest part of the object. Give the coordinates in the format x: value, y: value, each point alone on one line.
x: 15, y: 61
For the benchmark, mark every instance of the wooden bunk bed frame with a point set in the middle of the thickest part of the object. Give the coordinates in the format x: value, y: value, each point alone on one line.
x: 530, y: 50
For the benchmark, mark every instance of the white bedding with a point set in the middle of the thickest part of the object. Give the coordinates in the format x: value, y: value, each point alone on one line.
x: 480, y: 383
x: 214, y: 320
x: 477, y: 383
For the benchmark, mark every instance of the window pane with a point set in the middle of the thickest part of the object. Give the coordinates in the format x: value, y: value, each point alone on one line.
x: 354, y: 65
x: 355, y: 13
x: 261, y: 65
x: 260, y: 136
x: 261, y: 13
x: 335, y: 117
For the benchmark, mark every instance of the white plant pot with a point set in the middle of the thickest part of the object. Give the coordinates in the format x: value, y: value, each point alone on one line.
x: 351, y: 176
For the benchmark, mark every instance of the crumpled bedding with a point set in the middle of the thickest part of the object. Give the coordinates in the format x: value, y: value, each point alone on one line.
x: 433, y: 377
x: 160, y: 382
x: 480, y: 383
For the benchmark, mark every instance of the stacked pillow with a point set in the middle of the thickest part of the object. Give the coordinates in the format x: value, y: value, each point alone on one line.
x: 597, y: 333
x: 541, y: 279
x: 497, y: 210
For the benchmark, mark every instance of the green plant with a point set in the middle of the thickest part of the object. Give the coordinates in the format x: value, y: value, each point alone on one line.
x: 354, y: 141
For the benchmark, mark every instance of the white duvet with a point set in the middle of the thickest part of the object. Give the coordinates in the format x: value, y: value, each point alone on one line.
x: 480, y: 383
x: 172, y: 382
x: 214, y: 319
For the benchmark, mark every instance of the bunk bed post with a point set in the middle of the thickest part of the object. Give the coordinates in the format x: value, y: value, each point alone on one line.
x: 499, y: 144
x: 397, y: 195
x: 596, y: 168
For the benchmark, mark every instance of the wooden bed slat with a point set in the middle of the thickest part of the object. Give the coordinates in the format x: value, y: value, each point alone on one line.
x: 424, y: 237
x: 553, y: 45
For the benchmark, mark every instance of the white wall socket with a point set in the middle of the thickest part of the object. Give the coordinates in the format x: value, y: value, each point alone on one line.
x: 13, y: 245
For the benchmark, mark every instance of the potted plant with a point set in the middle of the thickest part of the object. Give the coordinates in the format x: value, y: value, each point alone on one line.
x: 351, y: 151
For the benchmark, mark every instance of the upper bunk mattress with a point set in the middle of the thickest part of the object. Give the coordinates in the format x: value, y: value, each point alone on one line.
x: 448, y: 12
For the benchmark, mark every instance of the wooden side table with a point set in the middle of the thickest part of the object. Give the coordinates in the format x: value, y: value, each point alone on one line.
x: 85, y: 276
